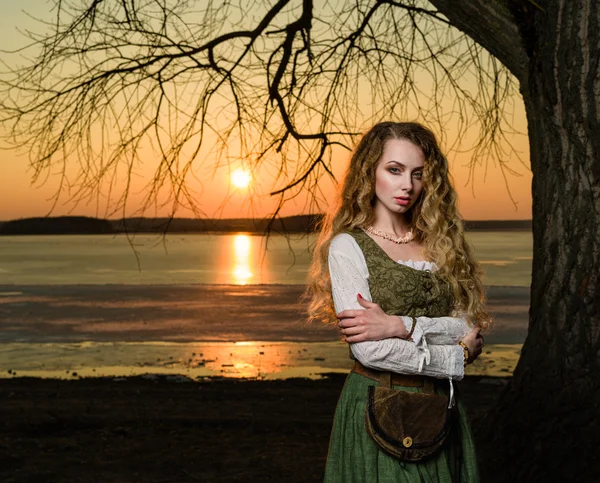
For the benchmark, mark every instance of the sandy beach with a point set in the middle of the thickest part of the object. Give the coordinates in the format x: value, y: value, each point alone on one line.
x: 73, y: 331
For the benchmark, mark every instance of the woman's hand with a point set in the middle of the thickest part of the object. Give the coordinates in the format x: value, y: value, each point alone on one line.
x: 474, y: 342
x: 372, y: 323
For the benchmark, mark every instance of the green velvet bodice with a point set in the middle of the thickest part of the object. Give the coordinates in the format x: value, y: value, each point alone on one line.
x: 399, y: 289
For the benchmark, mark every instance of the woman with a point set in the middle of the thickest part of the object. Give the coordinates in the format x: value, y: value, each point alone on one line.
x: 395, y: 247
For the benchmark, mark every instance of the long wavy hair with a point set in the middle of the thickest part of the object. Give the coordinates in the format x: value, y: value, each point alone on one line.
x: 433, y: 219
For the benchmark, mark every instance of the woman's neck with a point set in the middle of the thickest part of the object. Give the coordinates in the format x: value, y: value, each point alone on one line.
x: 396, y: 223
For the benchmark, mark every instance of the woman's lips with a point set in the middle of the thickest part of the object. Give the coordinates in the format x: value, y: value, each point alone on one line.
x: 402, y: 201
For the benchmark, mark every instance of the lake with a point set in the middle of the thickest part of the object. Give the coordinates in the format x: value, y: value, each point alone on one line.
x: 202, y: 305
x: 238, y: 259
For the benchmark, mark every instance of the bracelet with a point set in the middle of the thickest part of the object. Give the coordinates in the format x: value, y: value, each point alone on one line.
x: 412, y: 328
x: 466, y: 352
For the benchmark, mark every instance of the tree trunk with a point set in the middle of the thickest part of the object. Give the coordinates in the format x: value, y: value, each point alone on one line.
x: 546, y: 426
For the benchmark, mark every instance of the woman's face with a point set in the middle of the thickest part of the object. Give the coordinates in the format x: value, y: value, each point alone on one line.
x: 398, y: 176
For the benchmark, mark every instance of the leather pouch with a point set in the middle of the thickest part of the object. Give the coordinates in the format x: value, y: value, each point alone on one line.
x: 409, y: 426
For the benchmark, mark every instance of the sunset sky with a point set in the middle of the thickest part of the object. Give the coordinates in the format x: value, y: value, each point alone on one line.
x: 486, y: 198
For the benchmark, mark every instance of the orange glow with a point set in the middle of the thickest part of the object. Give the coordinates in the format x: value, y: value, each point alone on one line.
x: 250, y: 359
x: 242, y: 249
x: 240, y: 178
x: 483, y: 195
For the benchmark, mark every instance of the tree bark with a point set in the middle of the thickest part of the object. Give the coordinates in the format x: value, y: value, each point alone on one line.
x: 495, y: 26
x: 546, y: 426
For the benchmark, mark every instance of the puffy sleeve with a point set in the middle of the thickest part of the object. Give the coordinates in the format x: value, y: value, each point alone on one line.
x: 440, y: 330
x: 349, y: 276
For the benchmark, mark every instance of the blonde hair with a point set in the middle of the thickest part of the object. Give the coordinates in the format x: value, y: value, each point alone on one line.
x: 434, y: 220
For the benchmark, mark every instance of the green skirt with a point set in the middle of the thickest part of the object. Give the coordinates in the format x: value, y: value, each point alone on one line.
x: 354, y: 457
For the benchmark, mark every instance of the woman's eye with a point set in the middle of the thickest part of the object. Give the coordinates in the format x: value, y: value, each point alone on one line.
x: 418, y: 174
x: 394, y: 170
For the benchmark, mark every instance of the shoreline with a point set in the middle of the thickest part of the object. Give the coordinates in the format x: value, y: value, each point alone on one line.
x: 257, y: 360
x: 198, y: 330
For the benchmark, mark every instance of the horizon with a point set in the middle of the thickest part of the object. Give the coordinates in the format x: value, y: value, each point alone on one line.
x: 224, y: 218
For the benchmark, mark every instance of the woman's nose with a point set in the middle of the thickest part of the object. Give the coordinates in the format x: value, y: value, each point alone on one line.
x: 406, y: 182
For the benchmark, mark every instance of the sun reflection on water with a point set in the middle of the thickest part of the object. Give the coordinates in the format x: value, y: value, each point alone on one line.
x: 242, y: 250
x: 246, y: 360
x: 252, y: 359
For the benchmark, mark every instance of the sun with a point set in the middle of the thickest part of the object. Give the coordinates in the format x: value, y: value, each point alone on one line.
x: 240, y: 178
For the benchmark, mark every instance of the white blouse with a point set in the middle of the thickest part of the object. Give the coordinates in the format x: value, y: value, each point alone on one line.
x: 433, y: 350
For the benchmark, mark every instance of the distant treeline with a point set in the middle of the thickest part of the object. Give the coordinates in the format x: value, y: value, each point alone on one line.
x: 81, y: 225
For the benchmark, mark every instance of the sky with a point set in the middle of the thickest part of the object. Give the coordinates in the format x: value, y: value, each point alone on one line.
x: 485, y: 197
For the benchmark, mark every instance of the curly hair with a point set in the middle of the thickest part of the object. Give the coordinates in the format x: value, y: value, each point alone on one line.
x: 433, y: 219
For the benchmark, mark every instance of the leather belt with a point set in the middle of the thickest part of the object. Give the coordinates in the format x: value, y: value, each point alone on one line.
x: 397, y: 379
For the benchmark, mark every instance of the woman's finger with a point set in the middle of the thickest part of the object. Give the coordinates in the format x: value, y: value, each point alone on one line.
x: 344, y: 314
x: 355, y: 338
x: 346, y: 323
x: 364, y: 302
x: 352, y: 331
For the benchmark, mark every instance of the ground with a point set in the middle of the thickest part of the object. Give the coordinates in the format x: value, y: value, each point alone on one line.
x: 159, y: 430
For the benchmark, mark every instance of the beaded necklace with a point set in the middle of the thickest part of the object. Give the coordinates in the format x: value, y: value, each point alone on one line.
x: 389, y: 236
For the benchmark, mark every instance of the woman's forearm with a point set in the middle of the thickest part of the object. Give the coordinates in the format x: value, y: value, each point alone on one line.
x: 404, y: 357
x: 440, y: 330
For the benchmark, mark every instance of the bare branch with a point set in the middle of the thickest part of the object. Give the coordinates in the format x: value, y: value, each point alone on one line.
x: 279, y: 85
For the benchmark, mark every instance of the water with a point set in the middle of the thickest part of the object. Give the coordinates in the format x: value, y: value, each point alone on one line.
x: 50, y: 329
x: 210, y: 259
x: 252, y: 359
